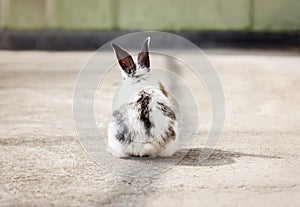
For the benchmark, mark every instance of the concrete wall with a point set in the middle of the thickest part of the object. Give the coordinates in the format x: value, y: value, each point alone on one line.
x: 198, y: 15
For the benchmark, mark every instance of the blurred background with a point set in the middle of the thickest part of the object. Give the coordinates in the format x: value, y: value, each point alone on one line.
x: 78, y: 24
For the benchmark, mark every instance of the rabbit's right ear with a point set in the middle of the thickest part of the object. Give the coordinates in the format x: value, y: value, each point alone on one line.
x: 125, y: 60
x: 143, y: 57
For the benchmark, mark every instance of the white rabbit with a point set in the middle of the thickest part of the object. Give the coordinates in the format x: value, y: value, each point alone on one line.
x: 144, y: 122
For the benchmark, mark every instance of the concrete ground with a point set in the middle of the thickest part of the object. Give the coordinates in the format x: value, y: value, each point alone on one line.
x: 256, y: 161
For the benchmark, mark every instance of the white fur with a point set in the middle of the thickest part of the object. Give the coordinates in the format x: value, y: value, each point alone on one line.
x: 142, y: 145
x: 125, y: 103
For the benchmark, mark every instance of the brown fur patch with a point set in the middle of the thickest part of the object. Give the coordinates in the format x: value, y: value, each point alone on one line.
x: 166, y: 110
x: 142, y: 105
x: 163, y: 90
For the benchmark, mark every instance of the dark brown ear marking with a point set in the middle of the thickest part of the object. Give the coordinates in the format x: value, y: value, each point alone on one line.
x: 125, y: 60
x: 143, y: 57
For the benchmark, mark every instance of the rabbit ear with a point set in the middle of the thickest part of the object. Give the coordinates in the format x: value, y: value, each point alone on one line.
x: 143, y: 57
x: 125, y: 60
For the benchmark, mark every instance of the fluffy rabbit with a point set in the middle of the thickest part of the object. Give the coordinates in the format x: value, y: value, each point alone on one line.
x: 144, y: 122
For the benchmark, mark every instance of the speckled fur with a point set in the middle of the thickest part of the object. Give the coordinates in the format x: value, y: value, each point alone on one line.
x: 146, y: 124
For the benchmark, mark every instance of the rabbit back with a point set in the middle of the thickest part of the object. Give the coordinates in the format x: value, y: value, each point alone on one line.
x: 145, y: 126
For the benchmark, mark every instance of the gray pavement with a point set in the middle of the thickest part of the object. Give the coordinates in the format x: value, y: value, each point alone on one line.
x: 256, y: 161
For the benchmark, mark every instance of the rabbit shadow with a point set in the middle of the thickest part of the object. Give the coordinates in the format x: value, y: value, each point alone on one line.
x: 214, y: 157
x: 203, y: 157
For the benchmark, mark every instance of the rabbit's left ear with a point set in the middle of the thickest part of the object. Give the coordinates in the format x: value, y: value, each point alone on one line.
x: 143, y: 57
x: 125, y: 60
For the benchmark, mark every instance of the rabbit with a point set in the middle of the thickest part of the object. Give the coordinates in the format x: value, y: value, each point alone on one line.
x: 145, y: 124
